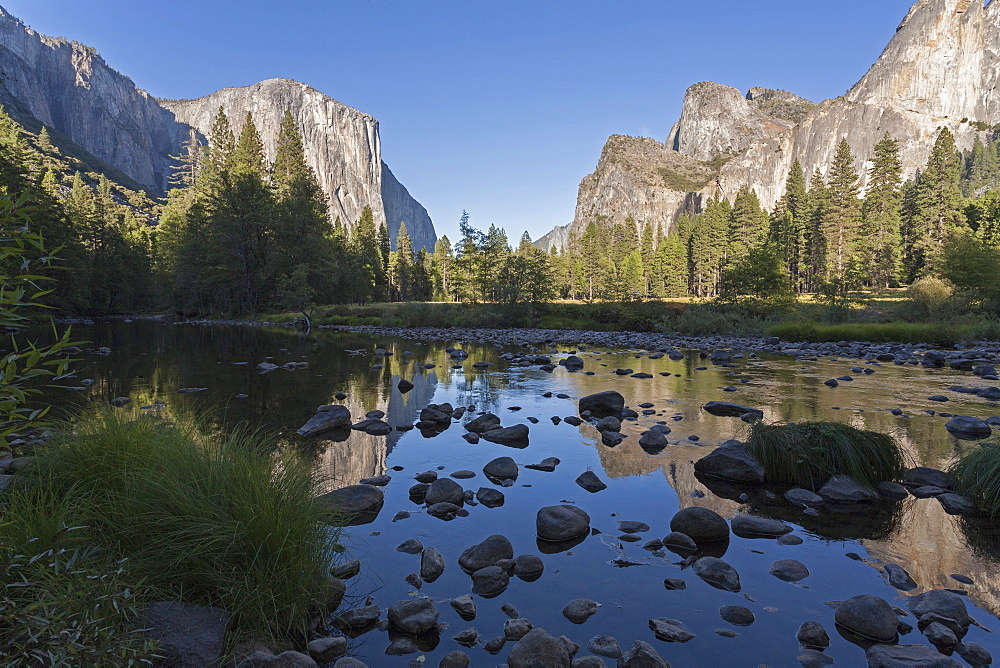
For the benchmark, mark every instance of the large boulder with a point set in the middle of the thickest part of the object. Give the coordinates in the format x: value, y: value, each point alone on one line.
x: 327, y: 418
x: 539, y: 649
x: 444, y: 490
x: 515, y: 436
x: 731, y: 461
x: 701, y: 524
x: 967, y: 427
x: 414, y: 616
x: 486, y: 553
x: 484, y: 423
x: 603, y: 404
x: 729, y: 409
x: 868, y: 616
x: 186, y: 634
x: 845, y: 489
x: 357, y: 504
x: 942, y: 606
x: 501, y: 468
x: 559, y: 523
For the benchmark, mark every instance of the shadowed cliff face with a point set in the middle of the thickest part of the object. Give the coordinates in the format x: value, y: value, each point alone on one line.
x: 68, y: 87
x: 940, y: 68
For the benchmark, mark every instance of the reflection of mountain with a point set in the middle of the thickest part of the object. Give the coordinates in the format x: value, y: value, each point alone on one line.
x: 363, y: 455
x: 930, y: 546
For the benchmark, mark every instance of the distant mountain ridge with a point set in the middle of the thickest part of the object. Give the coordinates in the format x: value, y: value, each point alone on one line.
x: 68, y: 87
x: 941, y: 68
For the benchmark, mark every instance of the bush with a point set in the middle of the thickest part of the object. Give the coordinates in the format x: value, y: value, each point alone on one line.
x: 207, y: 521
x: 977, y: 474
x: 63, y: 605
x: 809, y: 453
x: 929, y: 294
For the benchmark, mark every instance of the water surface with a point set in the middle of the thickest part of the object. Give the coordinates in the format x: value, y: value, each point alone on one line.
x: 151, y: 360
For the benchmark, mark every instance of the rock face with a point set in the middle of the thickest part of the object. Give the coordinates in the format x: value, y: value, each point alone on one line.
x: 68, y: 87
x: 941, y: 66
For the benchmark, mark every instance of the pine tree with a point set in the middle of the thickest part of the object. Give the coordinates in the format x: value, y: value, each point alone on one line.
x: 880, y: 242
x: 441, y: 273
x: 708, y: 247
x: 816, y: 243
x: 748, y: 225
x: 791, y: 226
x: 841, y: 216
x: 937, y: 205
x: 672, y: 267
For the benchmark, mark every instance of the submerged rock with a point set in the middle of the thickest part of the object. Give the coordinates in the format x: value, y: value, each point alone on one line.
x: 899, y: 656
x: 717, y: 573
x: 731, y: 461
x: 559, y: 523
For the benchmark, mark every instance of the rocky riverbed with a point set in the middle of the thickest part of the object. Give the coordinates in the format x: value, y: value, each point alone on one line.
x: 505, y: 514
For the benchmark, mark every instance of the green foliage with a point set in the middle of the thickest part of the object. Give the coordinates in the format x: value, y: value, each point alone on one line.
x: 218, y: 522
x: 761, y: 275
x: 25, y: 367
x: 929, y: 294
x: 977, y: 476
x: 809, y: 453
x: 62, y: 605
x: 882, y: 332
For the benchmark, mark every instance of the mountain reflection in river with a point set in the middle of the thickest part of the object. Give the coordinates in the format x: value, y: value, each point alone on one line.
x: 151, y: 360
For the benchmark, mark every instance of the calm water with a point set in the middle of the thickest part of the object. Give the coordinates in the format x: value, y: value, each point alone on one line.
x: 150, y: 361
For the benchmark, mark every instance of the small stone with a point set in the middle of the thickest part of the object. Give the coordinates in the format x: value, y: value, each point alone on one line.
x: 456, y: 659
x: 323, y: 650
x: 410, y: 546
x: 579, y: 610
x: 737, y: 615
x: 789, y: 570
x: 674, y: 584
x: 605, y: 646
x: 590, y: 482
x: 431, y: 564
x: 899, y: 578
x: 465, y: 606
x: 669, y: 630
x: 642, y: 655
x: 717, y: 573
x: 922, y: 656
x: 813, y: 635
x: 515, y: 629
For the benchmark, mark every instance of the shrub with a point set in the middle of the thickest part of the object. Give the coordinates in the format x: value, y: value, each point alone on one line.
x: 63, y: 605
x: 884, y: 332
x: 929, y: 294
x: 214, y: 522
x: 809, y: 453
x: 977, y: 474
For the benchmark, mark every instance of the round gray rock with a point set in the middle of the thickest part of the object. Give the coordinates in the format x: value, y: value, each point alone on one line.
x: 558, y: 523
x: 701, y: 524
x: 868, y: 616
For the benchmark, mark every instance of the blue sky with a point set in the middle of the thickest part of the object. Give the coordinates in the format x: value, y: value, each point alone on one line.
x: 497, y: 107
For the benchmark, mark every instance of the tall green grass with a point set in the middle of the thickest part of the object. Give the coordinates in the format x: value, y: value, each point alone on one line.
x: 876, y: 332
x: 977, y: 475
x: 212, y: 521
x: 809, y: 453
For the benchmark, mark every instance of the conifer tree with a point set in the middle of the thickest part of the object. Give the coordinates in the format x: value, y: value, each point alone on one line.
x: 671, y: 267
x: 816, y: 243
x: 880, y: 242
x: 748, y: 225
x: 791, y: 225
x: 937, y: 204
x: 841, y: 215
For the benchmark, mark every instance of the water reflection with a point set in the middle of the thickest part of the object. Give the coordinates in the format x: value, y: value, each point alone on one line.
x: 152, y: 360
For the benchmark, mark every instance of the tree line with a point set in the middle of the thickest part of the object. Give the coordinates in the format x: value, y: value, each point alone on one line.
x: 238, y: 234
x: 821, y: 236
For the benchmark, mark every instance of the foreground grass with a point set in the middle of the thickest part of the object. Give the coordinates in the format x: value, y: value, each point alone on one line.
x: 977, y: 474
x: 809, y: 453
x: 213, y: 522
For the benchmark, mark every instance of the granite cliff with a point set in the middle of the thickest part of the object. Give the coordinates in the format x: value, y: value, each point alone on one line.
x: 69, y: 88
x: 941, y: 68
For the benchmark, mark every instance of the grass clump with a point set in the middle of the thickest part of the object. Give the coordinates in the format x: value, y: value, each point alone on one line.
x: 220, y: 522
x: 977, y: 476
x: 809, y: 453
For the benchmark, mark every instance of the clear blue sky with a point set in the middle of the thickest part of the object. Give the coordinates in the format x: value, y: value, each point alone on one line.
x: 497, y: 107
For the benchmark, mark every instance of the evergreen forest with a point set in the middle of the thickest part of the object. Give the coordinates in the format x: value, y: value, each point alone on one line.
x: 239, y: 235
